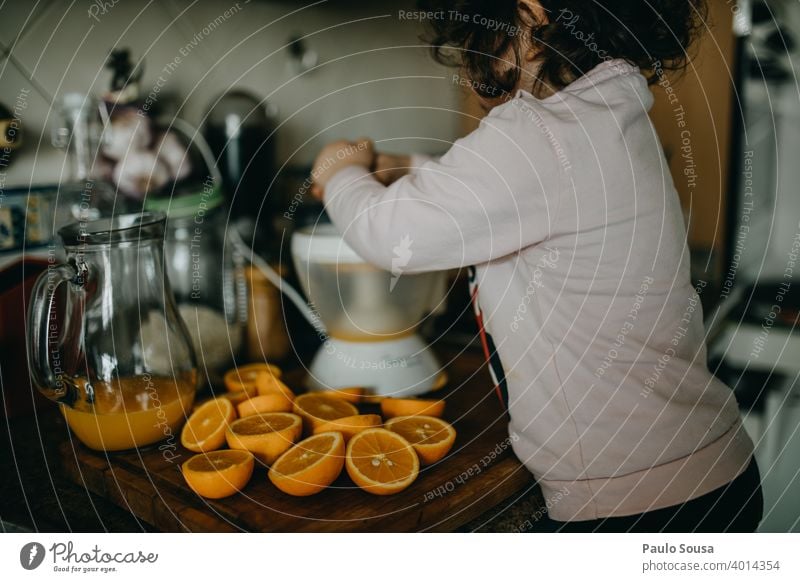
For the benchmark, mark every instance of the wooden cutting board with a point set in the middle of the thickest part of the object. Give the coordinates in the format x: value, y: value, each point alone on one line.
x: 479, y: 473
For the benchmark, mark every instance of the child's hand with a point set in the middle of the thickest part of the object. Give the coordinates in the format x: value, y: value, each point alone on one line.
x: 389, y: 168
x: 338, y: 155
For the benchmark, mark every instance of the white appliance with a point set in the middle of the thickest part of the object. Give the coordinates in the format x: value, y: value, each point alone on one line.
x: 370, y: 317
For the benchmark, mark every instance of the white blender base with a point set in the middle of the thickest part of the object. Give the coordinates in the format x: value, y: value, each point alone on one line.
x: 401, y: 367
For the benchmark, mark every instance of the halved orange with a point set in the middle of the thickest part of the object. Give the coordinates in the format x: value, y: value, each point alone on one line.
x: 381, y: 462
x: 392, y: 407
x: 273, y: 402
x: 432, y: 438
x: 244, y: 377
x: 354, y: 394
x: 235, y: 397
x: 267, y: 436
x: 316, y: 408
x: 309, y: 466
x: 267, y: 383
x: 219, y: 473
x: 350, y: 425
x: 205, y: 429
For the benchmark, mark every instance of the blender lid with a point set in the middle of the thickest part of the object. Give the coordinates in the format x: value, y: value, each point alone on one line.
x: 322, y: 243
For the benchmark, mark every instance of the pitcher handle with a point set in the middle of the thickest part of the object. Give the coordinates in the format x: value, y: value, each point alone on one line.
x: 48, y: 381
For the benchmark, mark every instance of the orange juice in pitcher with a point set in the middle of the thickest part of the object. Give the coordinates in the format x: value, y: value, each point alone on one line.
x: 131, y: 412
x: 119, y: 360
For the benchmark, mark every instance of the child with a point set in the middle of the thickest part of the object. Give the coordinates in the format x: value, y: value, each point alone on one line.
x: 562, y: 203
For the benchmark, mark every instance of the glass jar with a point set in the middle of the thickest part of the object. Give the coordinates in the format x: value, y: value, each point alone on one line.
x: 83, y: 194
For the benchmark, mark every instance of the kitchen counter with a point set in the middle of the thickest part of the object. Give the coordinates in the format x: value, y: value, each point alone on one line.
x: 36, y: 493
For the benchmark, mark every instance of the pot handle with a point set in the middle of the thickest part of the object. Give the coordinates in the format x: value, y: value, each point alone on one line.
x: 49, y: 381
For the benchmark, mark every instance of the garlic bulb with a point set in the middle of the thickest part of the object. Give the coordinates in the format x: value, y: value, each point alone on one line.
x: 140, y: 173
x: 170, y: 149
x: 128, y: 133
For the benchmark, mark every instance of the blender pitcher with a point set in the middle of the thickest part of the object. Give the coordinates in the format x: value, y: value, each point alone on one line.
x: 119, y: 361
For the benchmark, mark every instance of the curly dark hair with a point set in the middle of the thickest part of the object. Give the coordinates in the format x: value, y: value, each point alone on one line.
x: 576, y: 36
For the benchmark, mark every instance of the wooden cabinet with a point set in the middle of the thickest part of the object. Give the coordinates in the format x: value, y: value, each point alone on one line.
x: 692, y: 114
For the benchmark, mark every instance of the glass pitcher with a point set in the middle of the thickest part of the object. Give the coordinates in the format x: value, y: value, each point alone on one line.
x: 119, y: 360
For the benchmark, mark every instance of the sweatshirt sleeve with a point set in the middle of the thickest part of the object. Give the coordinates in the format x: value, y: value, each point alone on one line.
x: 419, y: 160
x: 493, y: 193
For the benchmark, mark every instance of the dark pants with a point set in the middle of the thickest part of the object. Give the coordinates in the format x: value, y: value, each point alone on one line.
x: 735, y: 507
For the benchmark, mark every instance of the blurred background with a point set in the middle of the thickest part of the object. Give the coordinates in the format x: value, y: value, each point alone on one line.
x: 353, y: 68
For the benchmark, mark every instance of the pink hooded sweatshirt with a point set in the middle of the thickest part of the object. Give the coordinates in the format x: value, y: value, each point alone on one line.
x: 566, y: 209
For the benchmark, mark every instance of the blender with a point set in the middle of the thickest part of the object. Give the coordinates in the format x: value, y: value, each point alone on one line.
x: 370, y: 318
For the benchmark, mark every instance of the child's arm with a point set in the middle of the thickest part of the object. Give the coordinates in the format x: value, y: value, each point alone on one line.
x: 390, y: 167
x: 487, y: 197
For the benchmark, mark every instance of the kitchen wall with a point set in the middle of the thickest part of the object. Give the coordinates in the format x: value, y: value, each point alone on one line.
x: 375, y: 78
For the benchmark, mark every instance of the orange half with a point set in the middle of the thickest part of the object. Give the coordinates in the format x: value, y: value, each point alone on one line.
x: 244, y: 377
x: 317, y: 408
x: 354, y: 394
x: 205, y: 429
x: 268, y: 383
x: 432, y: 438
x: 381, y: 462
x: 267, y: 436
x: 309, y: 466
x: 272, y: 402
x: 218, y: 474
x: 350, y: 425
x: 235, y: 397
